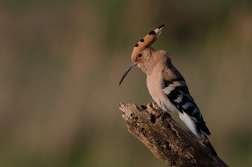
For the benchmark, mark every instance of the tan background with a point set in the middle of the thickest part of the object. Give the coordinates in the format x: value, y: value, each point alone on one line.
x: 61, y: 61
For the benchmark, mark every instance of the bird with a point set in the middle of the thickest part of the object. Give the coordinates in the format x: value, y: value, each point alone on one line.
x: 167, y: 86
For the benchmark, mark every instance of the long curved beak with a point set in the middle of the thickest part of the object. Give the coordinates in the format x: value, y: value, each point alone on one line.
x: 132, y: 64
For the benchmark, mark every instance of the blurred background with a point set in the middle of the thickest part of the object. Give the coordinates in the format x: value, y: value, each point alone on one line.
x: 61, y: 61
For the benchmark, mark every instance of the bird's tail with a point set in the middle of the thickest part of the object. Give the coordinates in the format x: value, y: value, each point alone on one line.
x: 209, y: 145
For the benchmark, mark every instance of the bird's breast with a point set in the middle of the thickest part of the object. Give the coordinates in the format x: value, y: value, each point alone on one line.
x: 155, y: 90
x: 154, y: 84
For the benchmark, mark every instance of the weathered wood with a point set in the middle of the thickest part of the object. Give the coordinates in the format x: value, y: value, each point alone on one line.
x: 165, y: 138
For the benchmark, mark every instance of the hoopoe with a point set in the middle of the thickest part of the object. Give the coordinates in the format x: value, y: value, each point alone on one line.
x: 166, y: 85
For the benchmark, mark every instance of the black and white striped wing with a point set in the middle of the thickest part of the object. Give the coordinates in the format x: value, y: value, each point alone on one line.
x: 178, y: 94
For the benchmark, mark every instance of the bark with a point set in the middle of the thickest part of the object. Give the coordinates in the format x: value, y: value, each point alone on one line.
x: 165, y: 138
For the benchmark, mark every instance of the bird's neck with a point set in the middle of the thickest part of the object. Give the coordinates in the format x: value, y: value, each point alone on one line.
x: 148, y: 65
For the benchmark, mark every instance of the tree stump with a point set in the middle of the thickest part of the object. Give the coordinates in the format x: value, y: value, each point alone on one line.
x: 165, y: 138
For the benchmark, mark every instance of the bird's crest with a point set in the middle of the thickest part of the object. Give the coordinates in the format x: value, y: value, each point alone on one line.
x: 146, y: 41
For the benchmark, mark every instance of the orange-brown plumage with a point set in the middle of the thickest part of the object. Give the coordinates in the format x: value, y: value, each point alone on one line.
x: 166, y: 85
x: 146, y: 42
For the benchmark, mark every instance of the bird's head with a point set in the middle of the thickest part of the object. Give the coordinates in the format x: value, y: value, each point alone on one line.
x: 142, y: 50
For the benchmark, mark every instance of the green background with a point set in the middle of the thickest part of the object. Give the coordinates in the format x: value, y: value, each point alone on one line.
x: 61, y: 61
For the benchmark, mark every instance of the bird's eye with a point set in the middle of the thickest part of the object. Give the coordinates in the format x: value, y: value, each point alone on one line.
x: 139, y: 55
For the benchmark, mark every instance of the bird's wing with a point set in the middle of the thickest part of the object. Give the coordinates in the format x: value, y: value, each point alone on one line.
x: 178, y: 94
